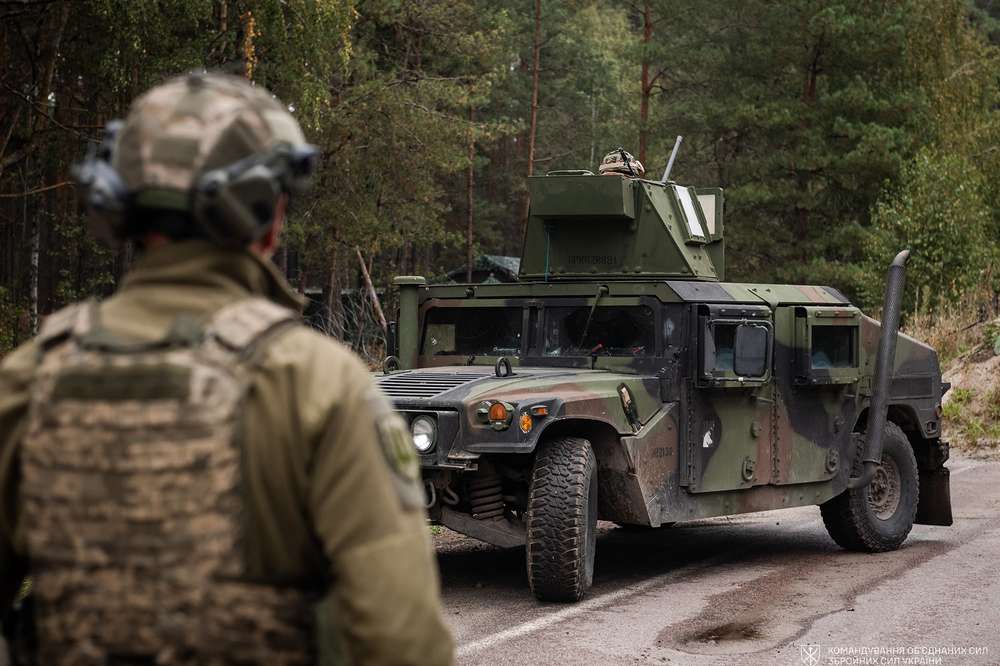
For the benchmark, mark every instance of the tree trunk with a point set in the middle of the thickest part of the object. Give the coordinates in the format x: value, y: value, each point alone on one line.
x: 48, y: 59
x: 646, y: 87
x: 371, y: 291
x: 31, y: 223
x: 333, y: 326
x: 248, y: 49
x: 283, y: 259
x: 536, y: 53
x: 809, y: 98
x: 593, y: 129
x: 470, y: 176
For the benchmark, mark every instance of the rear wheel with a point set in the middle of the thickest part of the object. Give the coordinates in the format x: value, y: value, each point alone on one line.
x: 878, y: 517
x: 562, y: 520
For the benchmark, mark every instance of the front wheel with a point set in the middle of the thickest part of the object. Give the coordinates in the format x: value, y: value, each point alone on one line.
x: 879, y: 516
x: 562, y: 520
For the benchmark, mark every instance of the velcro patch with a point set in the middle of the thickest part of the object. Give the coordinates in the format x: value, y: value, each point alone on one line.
x: 152, y: 382
x: 397, y: 447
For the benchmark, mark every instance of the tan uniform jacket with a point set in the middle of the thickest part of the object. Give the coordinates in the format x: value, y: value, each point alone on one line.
x: 326, y: 505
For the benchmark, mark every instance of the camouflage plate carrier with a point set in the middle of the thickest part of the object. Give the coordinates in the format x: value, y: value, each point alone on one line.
x: 132, y: 497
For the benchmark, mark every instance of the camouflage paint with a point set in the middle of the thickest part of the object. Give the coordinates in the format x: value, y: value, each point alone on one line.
x: 700, y: 444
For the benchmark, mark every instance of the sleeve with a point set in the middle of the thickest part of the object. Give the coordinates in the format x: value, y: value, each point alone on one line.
x: 15, y: 377
x: 366, y: 501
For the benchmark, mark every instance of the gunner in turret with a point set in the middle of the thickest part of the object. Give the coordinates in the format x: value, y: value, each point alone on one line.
x: 620, y: 162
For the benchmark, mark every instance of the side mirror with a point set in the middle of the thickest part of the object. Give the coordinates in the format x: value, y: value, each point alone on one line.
x: 750, y: 351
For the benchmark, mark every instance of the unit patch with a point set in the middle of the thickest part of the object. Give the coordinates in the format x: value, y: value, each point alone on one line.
x: 397, y: 447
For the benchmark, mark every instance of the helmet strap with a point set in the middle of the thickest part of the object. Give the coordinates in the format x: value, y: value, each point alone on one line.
x: 628, y: 162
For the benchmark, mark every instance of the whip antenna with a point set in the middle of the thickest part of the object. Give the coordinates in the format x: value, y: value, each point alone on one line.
x: 673, y: 156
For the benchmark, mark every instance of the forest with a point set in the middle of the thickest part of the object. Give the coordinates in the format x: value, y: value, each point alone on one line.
x: 841, y: 130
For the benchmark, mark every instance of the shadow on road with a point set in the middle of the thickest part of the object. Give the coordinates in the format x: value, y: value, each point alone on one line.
x: 626, y: 556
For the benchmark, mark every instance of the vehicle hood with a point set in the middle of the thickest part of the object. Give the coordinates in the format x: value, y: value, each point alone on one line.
x: 454, y: 386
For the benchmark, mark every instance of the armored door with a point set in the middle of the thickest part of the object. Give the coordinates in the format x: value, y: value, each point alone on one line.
x: 729, y: 402
x: 818, y: 366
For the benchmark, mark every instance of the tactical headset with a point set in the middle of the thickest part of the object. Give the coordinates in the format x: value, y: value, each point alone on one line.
x: 232, y: 205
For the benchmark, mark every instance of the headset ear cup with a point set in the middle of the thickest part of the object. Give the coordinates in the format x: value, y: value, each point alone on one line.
x: 104, y: 198
x: 234, y: 212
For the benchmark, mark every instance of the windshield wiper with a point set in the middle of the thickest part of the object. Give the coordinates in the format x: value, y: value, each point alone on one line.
x: 603, y: 289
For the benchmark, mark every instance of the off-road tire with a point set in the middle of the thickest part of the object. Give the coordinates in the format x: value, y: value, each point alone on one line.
x: 852, y: 519
x: 562, y: 520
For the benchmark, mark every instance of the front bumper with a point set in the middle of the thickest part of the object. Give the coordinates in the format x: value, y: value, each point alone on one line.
x: 460, y: 441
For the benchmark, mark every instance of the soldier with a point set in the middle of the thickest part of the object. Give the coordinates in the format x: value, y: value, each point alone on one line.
x: 185, y: 468
x: 620, y: 162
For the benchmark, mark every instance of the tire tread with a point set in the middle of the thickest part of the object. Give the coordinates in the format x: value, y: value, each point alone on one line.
x: 846, y: 517
x: 557, y: 519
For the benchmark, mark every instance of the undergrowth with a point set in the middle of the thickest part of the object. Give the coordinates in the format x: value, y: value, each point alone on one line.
x: 966, y: 335
x: 958, y: 329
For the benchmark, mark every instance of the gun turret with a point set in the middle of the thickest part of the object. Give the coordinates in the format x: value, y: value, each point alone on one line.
x: 611, y: 226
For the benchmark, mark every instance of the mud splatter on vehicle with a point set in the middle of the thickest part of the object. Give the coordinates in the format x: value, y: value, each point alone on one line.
x: 623, y: 378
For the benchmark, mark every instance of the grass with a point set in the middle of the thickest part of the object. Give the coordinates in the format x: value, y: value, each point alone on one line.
x: 972, y: 419
x: 992, y: 404
x: 958, y: 402
x: 960, y: 328
x: 963, y: 420
x: 966, y: 333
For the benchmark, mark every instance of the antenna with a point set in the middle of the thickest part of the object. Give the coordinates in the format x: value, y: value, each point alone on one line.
x: 673, y: 156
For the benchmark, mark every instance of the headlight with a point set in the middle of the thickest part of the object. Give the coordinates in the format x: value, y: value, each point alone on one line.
x: 424, y: 431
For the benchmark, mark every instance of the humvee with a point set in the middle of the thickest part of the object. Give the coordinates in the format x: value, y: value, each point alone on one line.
x: 622, y: 378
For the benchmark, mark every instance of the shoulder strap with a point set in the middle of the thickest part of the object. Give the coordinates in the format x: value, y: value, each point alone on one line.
x: 75, y: 319
x: 238, y: 326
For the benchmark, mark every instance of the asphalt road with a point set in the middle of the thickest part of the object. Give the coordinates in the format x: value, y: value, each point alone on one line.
x: 763, y: 588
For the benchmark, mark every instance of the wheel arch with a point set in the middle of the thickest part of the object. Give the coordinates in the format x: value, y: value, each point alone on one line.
x: 614, y: 500
x: 601, y: 434
x: 904, y: 416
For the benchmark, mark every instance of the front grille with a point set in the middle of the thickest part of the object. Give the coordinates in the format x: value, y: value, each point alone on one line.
x: 403, y: 385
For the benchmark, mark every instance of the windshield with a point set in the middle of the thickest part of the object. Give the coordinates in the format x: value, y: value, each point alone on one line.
x: 472, y: 332
x: 611, y: 331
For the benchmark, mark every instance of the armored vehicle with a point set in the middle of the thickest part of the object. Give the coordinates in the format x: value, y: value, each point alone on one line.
x: 623, y: 379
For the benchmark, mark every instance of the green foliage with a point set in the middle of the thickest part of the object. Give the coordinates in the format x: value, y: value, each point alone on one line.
x: 972, y: 418
x: 958, y: 403
x: 805, y: 111
x: 940, y: 213
x: 282, y: 28
x: 992, y: 407
x: 991, y: 336
x: 842, y: 131
x: 395, y: 130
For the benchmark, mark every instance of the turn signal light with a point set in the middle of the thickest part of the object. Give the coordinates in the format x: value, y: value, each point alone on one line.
x: 540, y: 410
x: 526, y: 423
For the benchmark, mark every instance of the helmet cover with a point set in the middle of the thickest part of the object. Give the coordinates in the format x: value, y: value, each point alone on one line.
x: 192, y: 124
x: 619, y: 161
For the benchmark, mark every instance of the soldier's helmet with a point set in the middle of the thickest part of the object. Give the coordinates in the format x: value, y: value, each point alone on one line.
x: 620, y: 161
x: 213, y: 149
